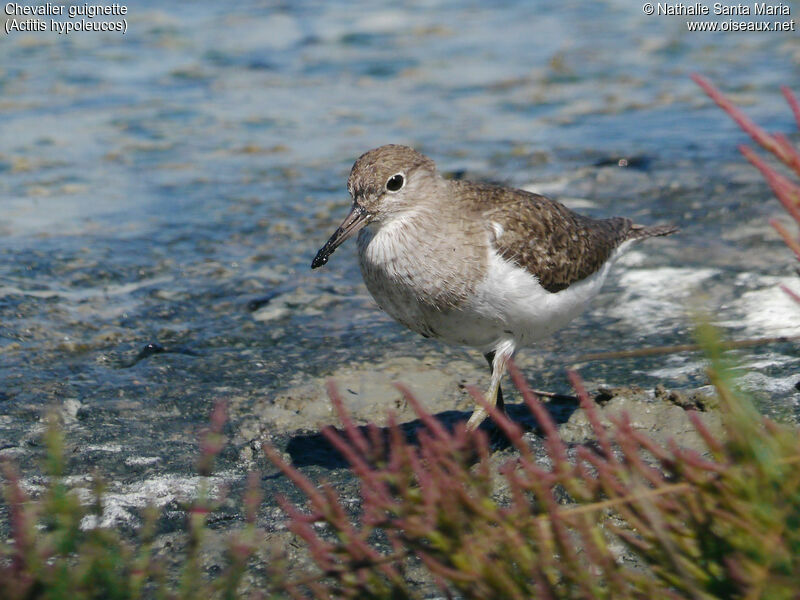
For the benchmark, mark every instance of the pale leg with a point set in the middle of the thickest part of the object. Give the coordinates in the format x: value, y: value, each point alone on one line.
x: 494, y: 397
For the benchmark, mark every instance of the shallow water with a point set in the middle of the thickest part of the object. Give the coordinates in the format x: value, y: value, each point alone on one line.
x: 157, y: 187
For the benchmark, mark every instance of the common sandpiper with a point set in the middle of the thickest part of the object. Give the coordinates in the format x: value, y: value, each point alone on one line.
x: 479, y: 265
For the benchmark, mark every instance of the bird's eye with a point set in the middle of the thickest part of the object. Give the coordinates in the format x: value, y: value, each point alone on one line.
x: 395, y: 182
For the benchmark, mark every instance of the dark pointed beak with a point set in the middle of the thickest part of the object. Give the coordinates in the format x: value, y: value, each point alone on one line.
x: 357, y: 219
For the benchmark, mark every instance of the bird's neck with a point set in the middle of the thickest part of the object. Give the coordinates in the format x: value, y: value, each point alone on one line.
x: 424, y: 251
x: 393, y: 239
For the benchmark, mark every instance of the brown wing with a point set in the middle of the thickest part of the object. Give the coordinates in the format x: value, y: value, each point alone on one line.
x: 547, y: 239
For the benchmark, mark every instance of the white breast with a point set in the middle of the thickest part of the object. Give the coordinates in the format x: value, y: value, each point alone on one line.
x: 397, y: 278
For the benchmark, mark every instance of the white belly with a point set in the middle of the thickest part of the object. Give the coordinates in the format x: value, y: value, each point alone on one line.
x: 529, y: 313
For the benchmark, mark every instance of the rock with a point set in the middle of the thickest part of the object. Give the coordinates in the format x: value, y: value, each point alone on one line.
x: 69, y: 410
x: 662, y: 421
x: 296, y: 301
x: 369, y: 393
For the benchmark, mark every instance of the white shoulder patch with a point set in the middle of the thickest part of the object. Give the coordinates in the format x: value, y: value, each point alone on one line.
x: 498, y: 230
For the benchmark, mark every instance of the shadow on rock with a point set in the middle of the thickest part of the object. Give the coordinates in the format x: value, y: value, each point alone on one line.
x: 313, y: 449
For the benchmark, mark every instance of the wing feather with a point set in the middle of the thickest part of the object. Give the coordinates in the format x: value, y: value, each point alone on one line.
x: 544, y: 237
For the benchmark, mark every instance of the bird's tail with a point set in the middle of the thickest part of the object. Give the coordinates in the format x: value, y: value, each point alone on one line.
x: 640, y: 232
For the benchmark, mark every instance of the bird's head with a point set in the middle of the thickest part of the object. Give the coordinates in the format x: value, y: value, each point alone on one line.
x: 383, y: 184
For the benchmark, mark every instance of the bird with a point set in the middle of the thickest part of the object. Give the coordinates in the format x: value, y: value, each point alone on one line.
x: 474, y: 264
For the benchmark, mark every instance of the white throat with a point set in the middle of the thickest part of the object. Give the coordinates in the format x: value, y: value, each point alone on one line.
x: 382, y: 243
